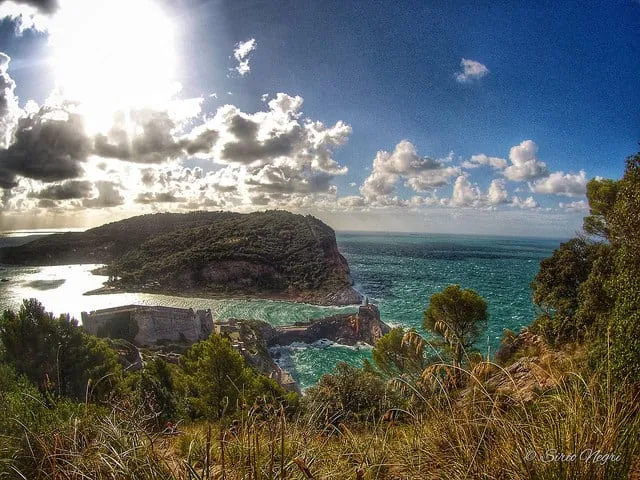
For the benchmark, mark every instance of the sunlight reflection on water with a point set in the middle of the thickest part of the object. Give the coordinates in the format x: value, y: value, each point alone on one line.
x: 60, y: 289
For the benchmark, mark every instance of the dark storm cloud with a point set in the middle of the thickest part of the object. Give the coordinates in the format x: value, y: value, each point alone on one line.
x: 4, y: 200
x: 202, y: 143
x: 148, y: 177
x: 153, y: 141
x: 172, y: 178
x: 260, y: 200
x: 65, y: 191
x: 284, y: 180
x: 243, y: 128
x: 7, y: 179
x: 279, y: 135
x: 47, y: 147
x: 226, y: 188
x: 46, y: 203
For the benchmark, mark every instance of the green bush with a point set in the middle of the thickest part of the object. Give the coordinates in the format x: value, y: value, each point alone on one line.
x: 349, y: 393
x: 217, y: 380
x: 56, y: 354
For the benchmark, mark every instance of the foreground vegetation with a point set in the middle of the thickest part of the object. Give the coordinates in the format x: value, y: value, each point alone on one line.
x: 486, y: 434
x: 560, y: 401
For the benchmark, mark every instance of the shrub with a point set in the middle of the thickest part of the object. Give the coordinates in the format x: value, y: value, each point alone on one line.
x: 349, y: 393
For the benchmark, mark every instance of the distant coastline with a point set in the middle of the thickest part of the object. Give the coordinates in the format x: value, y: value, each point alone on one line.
x: 30, y: 233
x: 391, y: 233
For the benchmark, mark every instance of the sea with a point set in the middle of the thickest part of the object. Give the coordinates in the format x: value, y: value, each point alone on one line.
x: 397, y: 271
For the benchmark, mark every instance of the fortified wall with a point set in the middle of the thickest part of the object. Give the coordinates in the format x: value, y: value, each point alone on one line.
x: 149, y: 325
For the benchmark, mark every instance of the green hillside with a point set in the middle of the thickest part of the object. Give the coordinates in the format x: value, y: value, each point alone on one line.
x: 274, y: 253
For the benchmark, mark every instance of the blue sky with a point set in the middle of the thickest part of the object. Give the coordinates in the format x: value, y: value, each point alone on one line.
x: 550, y: 85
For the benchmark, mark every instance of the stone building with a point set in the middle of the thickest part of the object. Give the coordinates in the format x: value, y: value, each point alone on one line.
x: 149, y: 325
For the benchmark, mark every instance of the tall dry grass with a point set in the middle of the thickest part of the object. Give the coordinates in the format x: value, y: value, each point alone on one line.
x: 481, y: 434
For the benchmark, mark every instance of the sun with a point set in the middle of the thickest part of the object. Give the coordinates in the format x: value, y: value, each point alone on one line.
x: 113, y: 55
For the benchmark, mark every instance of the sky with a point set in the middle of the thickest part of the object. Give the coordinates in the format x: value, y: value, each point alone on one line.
x: 441, y: 117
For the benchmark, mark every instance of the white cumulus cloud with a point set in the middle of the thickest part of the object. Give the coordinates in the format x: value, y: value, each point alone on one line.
x: 277, y: 154
x: 578, y: 206
x: 559, y: 183
x: 242, y: 54
x: 471, y: 70
x: 467, y: 194
x: 524, y: 163
x: 464, y: 193
x: 527, y: 203
x: 483, y: 160
x: 421, y: 174
x: 9, y: 109
x: 497, y: 193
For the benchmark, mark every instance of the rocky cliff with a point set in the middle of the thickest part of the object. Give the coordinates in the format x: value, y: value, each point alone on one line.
x: 529, y: 368
x: 253, y: 338
x: 347, y: 329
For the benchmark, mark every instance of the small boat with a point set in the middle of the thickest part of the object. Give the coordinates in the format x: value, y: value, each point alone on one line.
x: 4, y: 279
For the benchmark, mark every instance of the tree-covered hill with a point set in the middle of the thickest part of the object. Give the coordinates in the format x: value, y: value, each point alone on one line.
x: 276, y: 253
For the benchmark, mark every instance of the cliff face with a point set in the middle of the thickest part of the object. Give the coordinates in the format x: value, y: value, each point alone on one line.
x: 248, y: 338
x: 272, y: 254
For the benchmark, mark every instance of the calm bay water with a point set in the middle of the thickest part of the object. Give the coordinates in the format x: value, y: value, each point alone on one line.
x: 399, y: 272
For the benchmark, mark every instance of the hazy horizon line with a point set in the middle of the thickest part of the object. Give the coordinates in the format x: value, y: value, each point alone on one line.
x: 41, y: 231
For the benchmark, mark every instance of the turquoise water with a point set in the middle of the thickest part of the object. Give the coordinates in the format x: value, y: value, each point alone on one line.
x: 399, y: 272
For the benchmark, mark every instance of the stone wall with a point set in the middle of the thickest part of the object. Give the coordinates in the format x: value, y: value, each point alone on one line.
x: 97, y: 321
x: 152, y: 325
